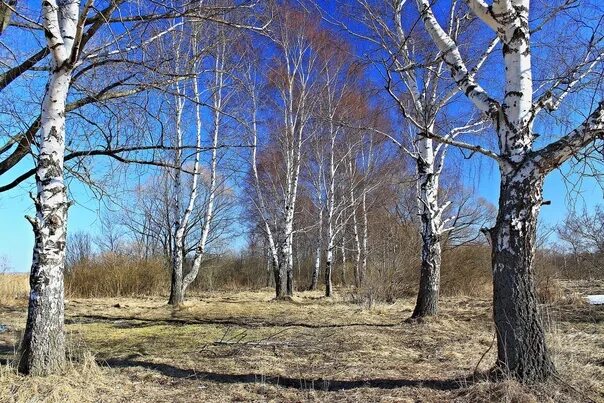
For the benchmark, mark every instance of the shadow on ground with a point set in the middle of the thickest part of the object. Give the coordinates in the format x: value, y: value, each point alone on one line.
x: 296, y: 383
x: 247, y: 322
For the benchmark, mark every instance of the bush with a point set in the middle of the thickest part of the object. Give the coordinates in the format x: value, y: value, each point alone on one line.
x: 114, y: 275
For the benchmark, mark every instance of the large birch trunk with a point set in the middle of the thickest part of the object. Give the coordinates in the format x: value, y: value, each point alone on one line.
x: 281, y: 270
x: 42, y: 349
x: 177, y: 296
x: 521, y: 348
x: 429, y: 283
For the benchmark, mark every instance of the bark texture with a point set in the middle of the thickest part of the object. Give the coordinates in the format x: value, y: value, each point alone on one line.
x: 328, y: 273
x: 42, y: 350
x: 521, y: 347
x: 431, y: 230
x: 429, y: 282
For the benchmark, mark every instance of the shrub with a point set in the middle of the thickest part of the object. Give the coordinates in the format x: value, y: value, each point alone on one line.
x: 114, y: 275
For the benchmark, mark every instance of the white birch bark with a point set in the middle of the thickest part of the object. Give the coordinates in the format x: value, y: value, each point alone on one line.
x: 365, y: 238
x: 319, y: 242
x: 181, y: 219
x: 331, y: 195
x: 357, y: 240
x: 218, y: 105
x: 42, y: 350
x: 431, y: 230
x: 299, y: 62
x: 179, y: 224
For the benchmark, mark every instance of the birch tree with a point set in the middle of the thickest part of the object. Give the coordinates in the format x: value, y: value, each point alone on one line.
x: 290, y: 77
x: 316, y: 176
x: 181, y: 219
x: 414, y: 80
x: 220, y: 98
x: 220, y: 95
x: 335, y: 89
x: 42, y: 349
x: 521, y: 346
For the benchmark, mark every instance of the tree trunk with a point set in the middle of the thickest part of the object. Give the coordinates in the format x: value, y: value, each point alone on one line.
x: 176, y: 290
x: 290, y: 281
x: 363, y: 270
x: 42, y: 350
x: 280, y: 280
x: 357, y: 257
x: 281, y: 270
x: 317, y: 267
x: 290, y: 270
x: 328, y: 271
x: 429, y: 284
x: 329, y: 255
x: 315, y: 273
x: 268, y: 266
x: 521, y: 347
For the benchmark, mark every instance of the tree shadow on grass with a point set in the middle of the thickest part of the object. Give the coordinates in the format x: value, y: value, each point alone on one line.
x: 296, y: 383
x: 119, y: 321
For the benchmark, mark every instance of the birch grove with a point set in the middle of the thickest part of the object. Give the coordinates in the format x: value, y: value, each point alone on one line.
x: 330, y: 149
x: 291, y: 80
x: 78, y: 54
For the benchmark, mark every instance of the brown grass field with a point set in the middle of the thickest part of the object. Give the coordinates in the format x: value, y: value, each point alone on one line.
x: 243, y: 346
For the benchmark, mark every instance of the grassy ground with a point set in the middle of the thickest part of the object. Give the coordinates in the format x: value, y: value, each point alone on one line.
x: 245, y: 347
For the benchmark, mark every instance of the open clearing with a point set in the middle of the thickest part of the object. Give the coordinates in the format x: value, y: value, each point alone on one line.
x: 242, y: 346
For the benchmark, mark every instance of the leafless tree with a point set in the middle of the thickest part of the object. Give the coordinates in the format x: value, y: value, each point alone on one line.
x: 412, y: 72
x: 583, y: 232
x: 522, y: 350
x: 79, y: 249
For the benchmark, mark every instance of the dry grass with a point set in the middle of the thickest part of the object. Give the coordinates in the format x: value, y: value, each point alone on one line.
x: 81, y: 381
x: 243, y: 346
x: 112, y: 275
x: 14, y: 289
